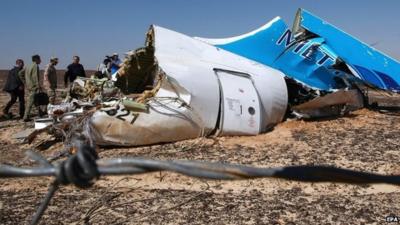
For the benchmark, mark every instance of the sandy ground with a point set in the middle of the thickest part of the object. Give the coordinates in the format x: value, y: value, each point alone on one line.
x: 365, y: 140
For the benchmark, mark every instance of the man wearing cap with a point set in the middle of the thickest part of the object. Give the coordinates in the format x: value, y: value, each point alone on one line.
x: 15, y: 87
x: 74, y: 70
x: 32, y: 84
x: 50, y: 79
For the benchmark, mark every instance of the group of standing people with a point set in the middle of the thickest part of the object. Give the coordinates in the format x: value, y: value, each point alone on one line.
x: 21, y: 78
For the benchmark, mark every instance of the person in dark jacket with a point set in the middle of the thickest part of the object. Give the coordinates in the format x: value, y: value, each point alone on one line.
x: 15, y: 87
x: 74, y: 70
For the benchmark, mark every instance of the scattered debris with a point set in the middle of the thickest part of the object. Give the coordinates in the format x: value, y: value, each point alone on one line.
x: 177, y: 87
x: 337, y: 103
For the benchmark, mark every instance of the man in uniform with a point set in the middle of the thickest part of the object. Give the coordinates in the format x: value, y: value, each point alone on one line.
x: 32, y: 84
x: 50, y: 79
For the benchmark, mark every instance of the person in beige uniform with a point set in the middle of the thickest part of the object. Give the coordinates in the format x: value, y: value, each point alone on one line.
x: 50, y: 79
x: 32, y: 84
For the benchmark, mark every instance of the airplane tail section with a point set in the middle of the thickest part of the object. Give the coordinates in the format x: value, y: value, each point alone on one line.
x: 366, y: 62
x: 259, y: 45
x: 275, y: 45
x: 312, y: 52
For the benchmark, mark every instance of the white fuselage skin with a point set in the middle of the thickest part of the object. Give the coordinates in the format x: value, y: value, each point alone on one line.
x: 223, y: 94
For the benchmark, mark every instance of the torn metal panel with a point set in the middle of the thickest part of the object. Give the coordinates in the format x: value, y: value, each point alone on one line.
x: 168, y: 119
x: 188, y: 101
x: 191, y: 63
x: 274, y: 45
x: 334, y: 104
x: 382, y: 99
x: 367, y: 63
x: 311, y: 51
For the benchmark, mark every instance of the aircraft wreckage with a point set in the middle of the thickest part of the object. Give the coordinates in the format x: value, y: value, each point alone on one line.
x: 179, y: 87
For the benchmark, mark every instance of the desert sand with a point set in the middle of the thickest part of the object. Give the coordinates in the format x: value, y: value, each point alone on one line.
x: 365, y: 140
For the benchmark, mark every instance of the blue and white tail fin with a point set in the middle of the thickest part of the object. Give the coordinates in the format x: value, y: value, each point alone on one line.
x: 368, y: 63
x: 258, y: 45
x: 311, y: 51
x: 274, y: 45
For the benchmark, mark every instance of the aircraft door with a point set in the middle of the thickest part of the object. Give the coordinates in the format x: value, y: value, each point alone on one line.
x: 240, y: 105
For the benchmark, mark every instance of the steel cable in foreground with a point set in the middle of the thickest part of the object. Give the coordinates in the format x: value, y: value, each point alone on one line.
x: 83, y: 168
